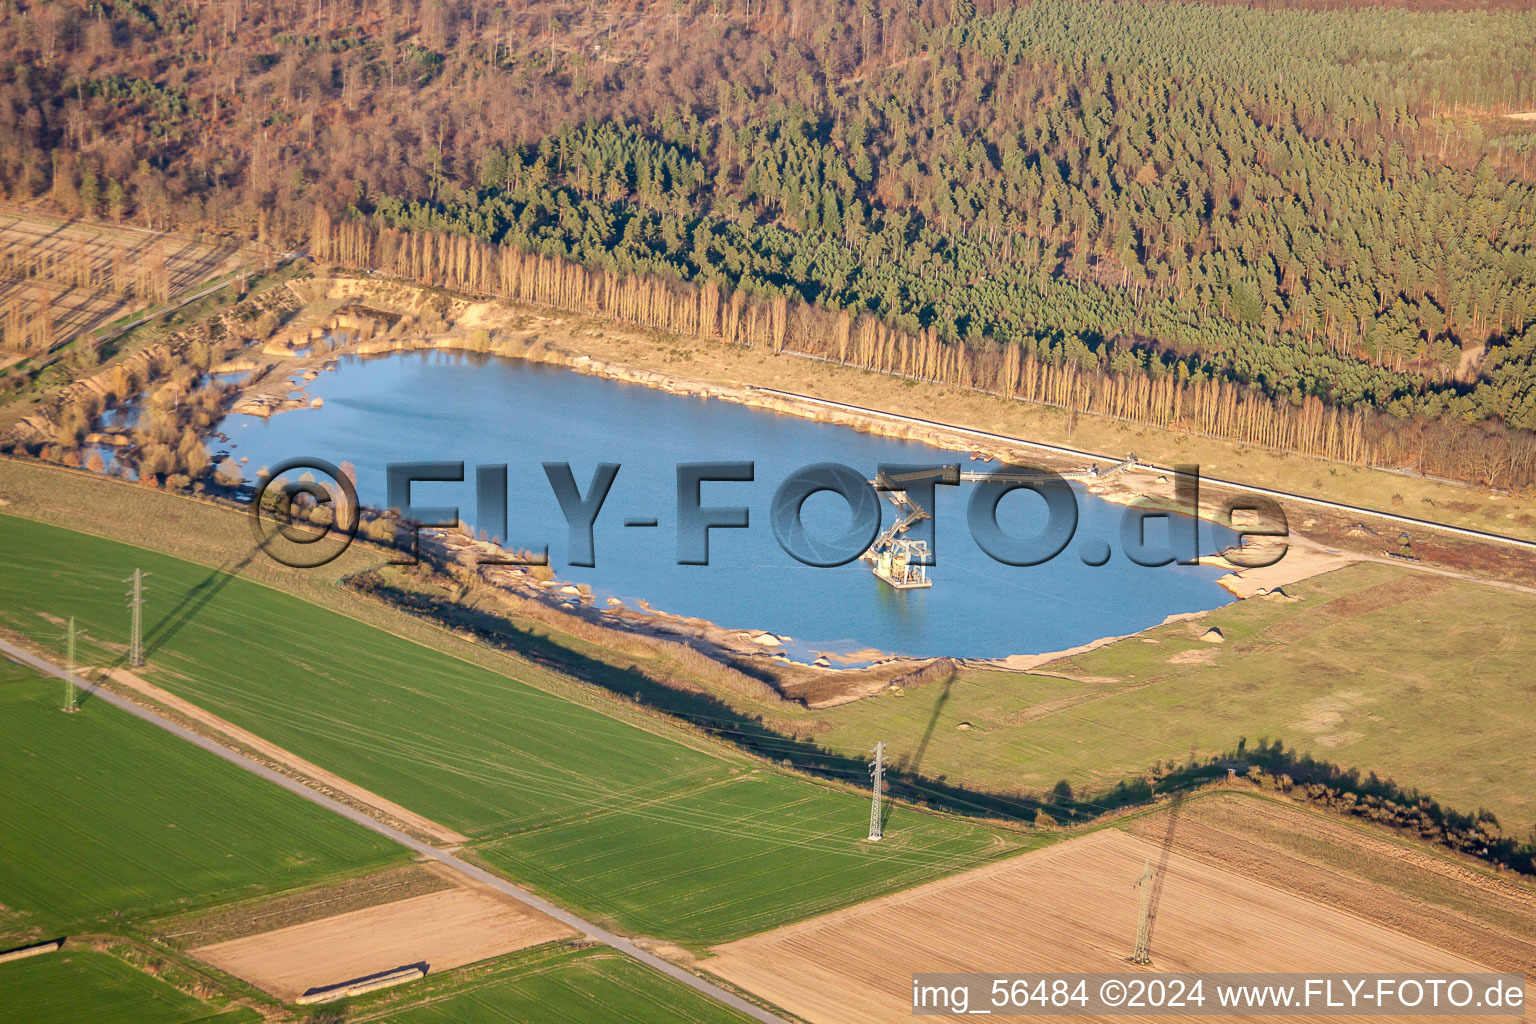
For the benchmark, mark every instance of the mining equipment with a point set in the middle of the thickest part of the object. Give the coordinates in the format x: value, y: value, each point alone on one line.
x: 901, y: 561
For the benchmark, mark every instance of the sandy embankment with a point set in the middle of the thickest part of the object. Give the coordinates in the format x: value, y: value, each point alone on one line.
x: 1030, y: 662
x: 273, y: 752
x: 721, y: 642
x: 1303, y: 559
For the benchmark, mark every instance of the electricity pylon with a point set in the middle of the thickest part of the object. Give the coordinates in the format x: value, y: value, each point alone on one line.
x: 1143, y: 954
x: 877, y: 773
x: 136, y: 606
x: 71, y: 701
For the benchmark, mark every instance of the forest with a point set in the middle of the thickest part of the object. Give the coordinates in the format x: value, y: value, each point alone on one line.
x: 1318, y: 216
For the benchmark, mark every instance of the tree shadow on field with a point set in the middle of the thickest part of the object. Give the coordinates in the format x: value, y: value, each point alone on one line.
x: 708, y: 714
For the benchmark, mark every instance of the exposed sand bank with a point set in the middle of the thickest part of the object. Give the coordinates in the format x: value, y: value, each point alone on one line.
x: 1303, y: 559
x: 1030, y: 662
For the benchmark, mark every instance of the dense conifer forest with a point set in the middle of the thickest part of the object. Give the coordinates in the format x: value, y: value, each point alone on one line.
x: 1309, y: 225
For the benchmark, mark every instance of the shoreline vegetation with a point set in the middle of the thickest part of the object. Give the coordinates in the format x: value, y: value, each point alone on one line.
x: 1290, y: 243
x: 1208, y: 248
x: 1268, y: 767
x: 282, y: 387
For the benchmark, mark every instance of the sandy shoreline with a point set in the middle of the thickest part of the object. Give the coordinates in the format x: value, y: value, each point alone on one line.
x: 1030, y: 662
x: 281, y: 387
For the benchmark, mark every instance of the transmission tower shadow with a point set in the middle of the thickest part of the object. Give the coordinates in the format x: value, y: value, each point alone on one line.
x: 912, y: 764
x: 194, y: 601
x: 1160, y: 878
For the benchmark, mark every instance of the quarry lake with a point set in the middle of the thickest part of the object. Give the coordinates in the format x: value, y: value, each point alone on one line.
x: 435, y: 406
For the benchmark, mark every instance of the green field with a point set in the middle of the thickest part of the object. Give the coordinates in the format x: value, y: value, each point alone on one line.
x: 84, y: 987
x: 690, y: 857
x: 1420, y: 678
x: 583, y: 987
x: 107, y: 817
x: 597, y: 812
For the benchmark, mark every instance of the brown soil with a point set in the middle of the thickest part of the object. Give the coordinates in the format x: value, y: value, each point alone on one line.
x: 1462, y: 908
x: 442, y: 930
x: 1384, y: 595
x: 272, y: 751
x: 1070, y: 907
x: 251, y: 918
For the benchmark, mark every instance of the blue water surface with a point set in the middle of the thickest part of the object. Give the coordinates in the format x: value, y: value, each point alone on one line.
x: 434, y: 406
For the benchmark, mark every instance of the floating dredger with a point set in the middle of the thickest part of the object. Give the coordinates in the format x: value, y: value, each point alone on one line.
x: 903, y: 561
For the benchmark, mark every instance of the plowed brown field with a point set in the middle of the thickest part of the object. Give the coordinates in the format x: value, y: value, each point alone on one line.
x: 441, y: 929
x: 1069, y: 908
x: 1371, y: 872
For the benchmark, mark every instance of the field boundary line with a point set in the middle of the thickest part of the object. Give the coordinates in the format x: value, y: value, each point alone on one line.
x: 1062, y: 845
x: 1365, y: 828
x: 1383, y: 836
x: 450, y: 860
x: 656, y: 723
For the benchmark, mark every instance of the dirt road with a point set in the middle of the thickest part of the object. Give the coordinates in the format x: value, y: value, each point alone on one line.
x: 444, y: 857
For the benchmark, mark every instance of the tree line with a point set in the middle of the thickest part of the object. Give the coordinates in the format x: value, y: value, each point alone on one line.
x: 1165, y: 392
x: 1320, y: 204
x: 145, y: 276
x: 1383, y: 801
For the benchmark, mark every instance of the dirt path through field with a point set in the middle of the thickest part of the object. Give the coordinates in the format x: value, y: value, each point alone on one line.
x: 287, y: 759
x: 452, y: 861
